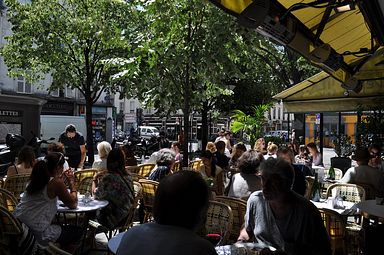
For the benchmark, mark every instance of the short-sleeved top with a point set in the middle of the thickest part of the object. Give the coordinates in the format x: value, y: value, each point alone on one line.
x: 365, y: 174
x: 119, y: 193
x: 72, y: 148
x: 37, y: 212
x: 243, y: 185
x: 301, y: 232
x: 157, y: 239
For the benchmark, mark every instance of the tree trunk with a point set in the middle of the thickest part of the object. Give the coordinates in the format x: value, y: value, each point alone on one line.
x: 204, y: 125
x: 90, y: 150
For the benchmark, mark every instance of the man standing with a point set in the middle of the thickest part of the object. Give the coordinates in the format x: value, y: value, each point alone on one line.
x: 74, y: 146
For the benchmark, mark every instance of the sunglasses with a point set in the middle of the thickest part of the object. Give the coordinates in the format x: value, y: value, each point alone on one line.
x: 375, y: 155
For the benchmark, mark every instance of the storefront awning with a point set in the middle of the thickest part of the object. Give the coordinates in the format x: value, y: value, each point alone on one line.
x: 322, y: 93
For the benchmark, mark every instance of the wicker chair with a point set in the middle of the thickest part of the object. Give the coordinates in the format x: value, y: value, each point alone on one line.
x: 335, y: 225
x: 349, y: 192
x: 338, y: 173
x: 16, y: 184
x: 219, y: 220
x: 195, y: 164
x: 7, y: 200
x: 148, y: 191
x: 238, y: 207
x: 145, y: 169
x: 176, y: 167
x: 132, y: 169
x: 136, y: 177
x: 85, y: 185
x: 13, y: 237
x: 81, y: 174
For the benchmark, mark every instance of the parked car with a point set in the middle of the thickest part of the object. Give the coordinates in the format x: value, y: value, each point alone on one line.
x: 148, y: 131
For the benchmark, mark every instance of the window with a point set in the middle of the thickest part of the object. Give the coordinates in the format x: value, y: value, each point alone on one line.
x: 80, y: 95
x: 132, y: 106
x: 23, y: 86
x: 68, y: 92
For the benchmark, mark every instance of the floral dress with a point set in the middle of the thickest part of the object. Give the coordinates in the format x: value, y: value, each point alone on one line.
x: 118, y: 191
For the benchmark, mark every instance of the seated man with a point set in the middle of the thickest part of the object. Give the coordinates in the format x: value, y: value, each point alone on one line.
x: 278, y: 217
x: 164, y: 164
x: 180, y: 207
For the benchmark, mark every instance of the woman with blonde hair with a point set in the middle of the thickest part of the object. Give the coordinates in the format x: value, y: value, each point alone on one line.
x: 103, y: 149
x: 211, y: 147
x: 260, y: 146
x: 271, y: 150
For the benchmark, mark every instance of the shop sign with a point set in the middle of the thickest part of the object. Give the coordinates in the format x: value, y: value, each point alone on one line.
x: 10, y: 113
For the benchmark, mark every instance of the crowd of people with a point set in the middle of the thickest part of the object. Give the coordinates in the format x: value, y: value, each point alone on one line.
x: 271, y: 178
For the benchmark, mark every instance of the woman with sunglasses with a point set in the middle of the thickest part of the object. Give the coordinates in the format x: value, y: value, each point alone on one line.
x: 38, y: 206
x: 375, y: 161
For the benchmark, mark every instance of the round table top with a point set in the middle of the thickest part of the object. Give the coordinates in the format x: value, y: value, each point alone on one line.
x: 92, y: 205
x: 114, y: 242
x: 370, y: 206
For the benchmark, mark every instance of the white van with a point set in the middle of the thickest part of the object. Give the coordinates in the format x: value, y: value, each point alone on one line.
x: 54, y: 125
x: 148, y: 131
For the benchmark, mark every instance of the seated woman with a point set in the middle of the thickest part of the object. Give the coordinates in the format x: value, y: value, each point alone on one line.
x: 103, y: 149
x: 246, y: 182
x: 164, y: 164
x: 317, y: 159
x: 116, y: 187
x: 38, y: 206
x: 212, y: 173
x: 303, y: 156
x: 25, y: 162
x: 271, y: 150
x: 58, y: 147
x: 237, y: 151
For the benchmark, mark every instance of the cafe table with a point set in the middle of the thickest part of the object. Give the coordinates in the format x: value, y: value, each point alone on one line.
x: 348, y: 210
x: 241, y: 248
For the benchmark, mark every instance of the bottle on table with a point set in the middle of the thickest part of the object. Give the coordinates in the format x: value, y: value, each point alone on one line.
x: 331, y: 173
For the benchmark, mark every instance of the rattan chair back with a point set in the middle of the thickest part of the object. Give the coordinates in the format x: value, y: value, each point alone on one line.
x: 176, y: 166
x: 148, y: 197
x: 145, y: 169
x: 132, y: 169
x: 349, y: 192
x: 16, y: 184
x: 85, y: 185
x: 338, y: 173
x: 335, y: 225
x: 81, y: 174
x: 238, y: 207
x: 195, y: 164
x: 7, y: 200
x: 219, y: 220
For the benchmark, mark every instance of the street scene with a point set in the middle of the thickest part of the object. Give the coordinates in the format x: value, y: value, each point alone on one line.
x: 197, y: 127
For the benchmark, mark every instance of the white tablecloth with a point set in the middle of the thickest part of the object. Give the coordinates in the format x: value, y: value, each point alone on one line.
x: 82, y: 207
x: 348, y: 210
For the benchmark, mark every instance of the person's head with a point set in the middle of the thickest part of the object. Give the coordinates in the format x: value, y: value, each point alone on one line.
x: 43, y: 170
x: 286, y: 154
x: 176, y: 146
x: 238, y: 150
x: 303, y: 151
x: 116, y: 161
x: 362, y: 156
x: 211, y: 147
x: 312, y: 148
x: 166, y: 157
x: 127, y: 150
x: 103, y: 149
x: 181, y: 200
x: 220, y: 146
x: 70, y: 131
x: 227, y: 134
x: 272, y: 148
x: 26, y: 156
x: 56, y: 147
x: 277, y: 177
x: 250, y: 161
x: 375, y: 151
x: 259, y: 145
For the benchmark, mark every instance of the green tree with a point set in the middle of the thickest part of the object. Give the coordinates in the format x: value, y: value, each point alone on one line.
x: 183, y: 57
x: 250, y: 124
x: 78, y: 42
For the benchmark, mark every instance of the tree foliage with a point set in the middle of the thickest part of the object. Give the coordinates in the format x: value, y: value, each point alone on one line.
x: 78, y: 42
